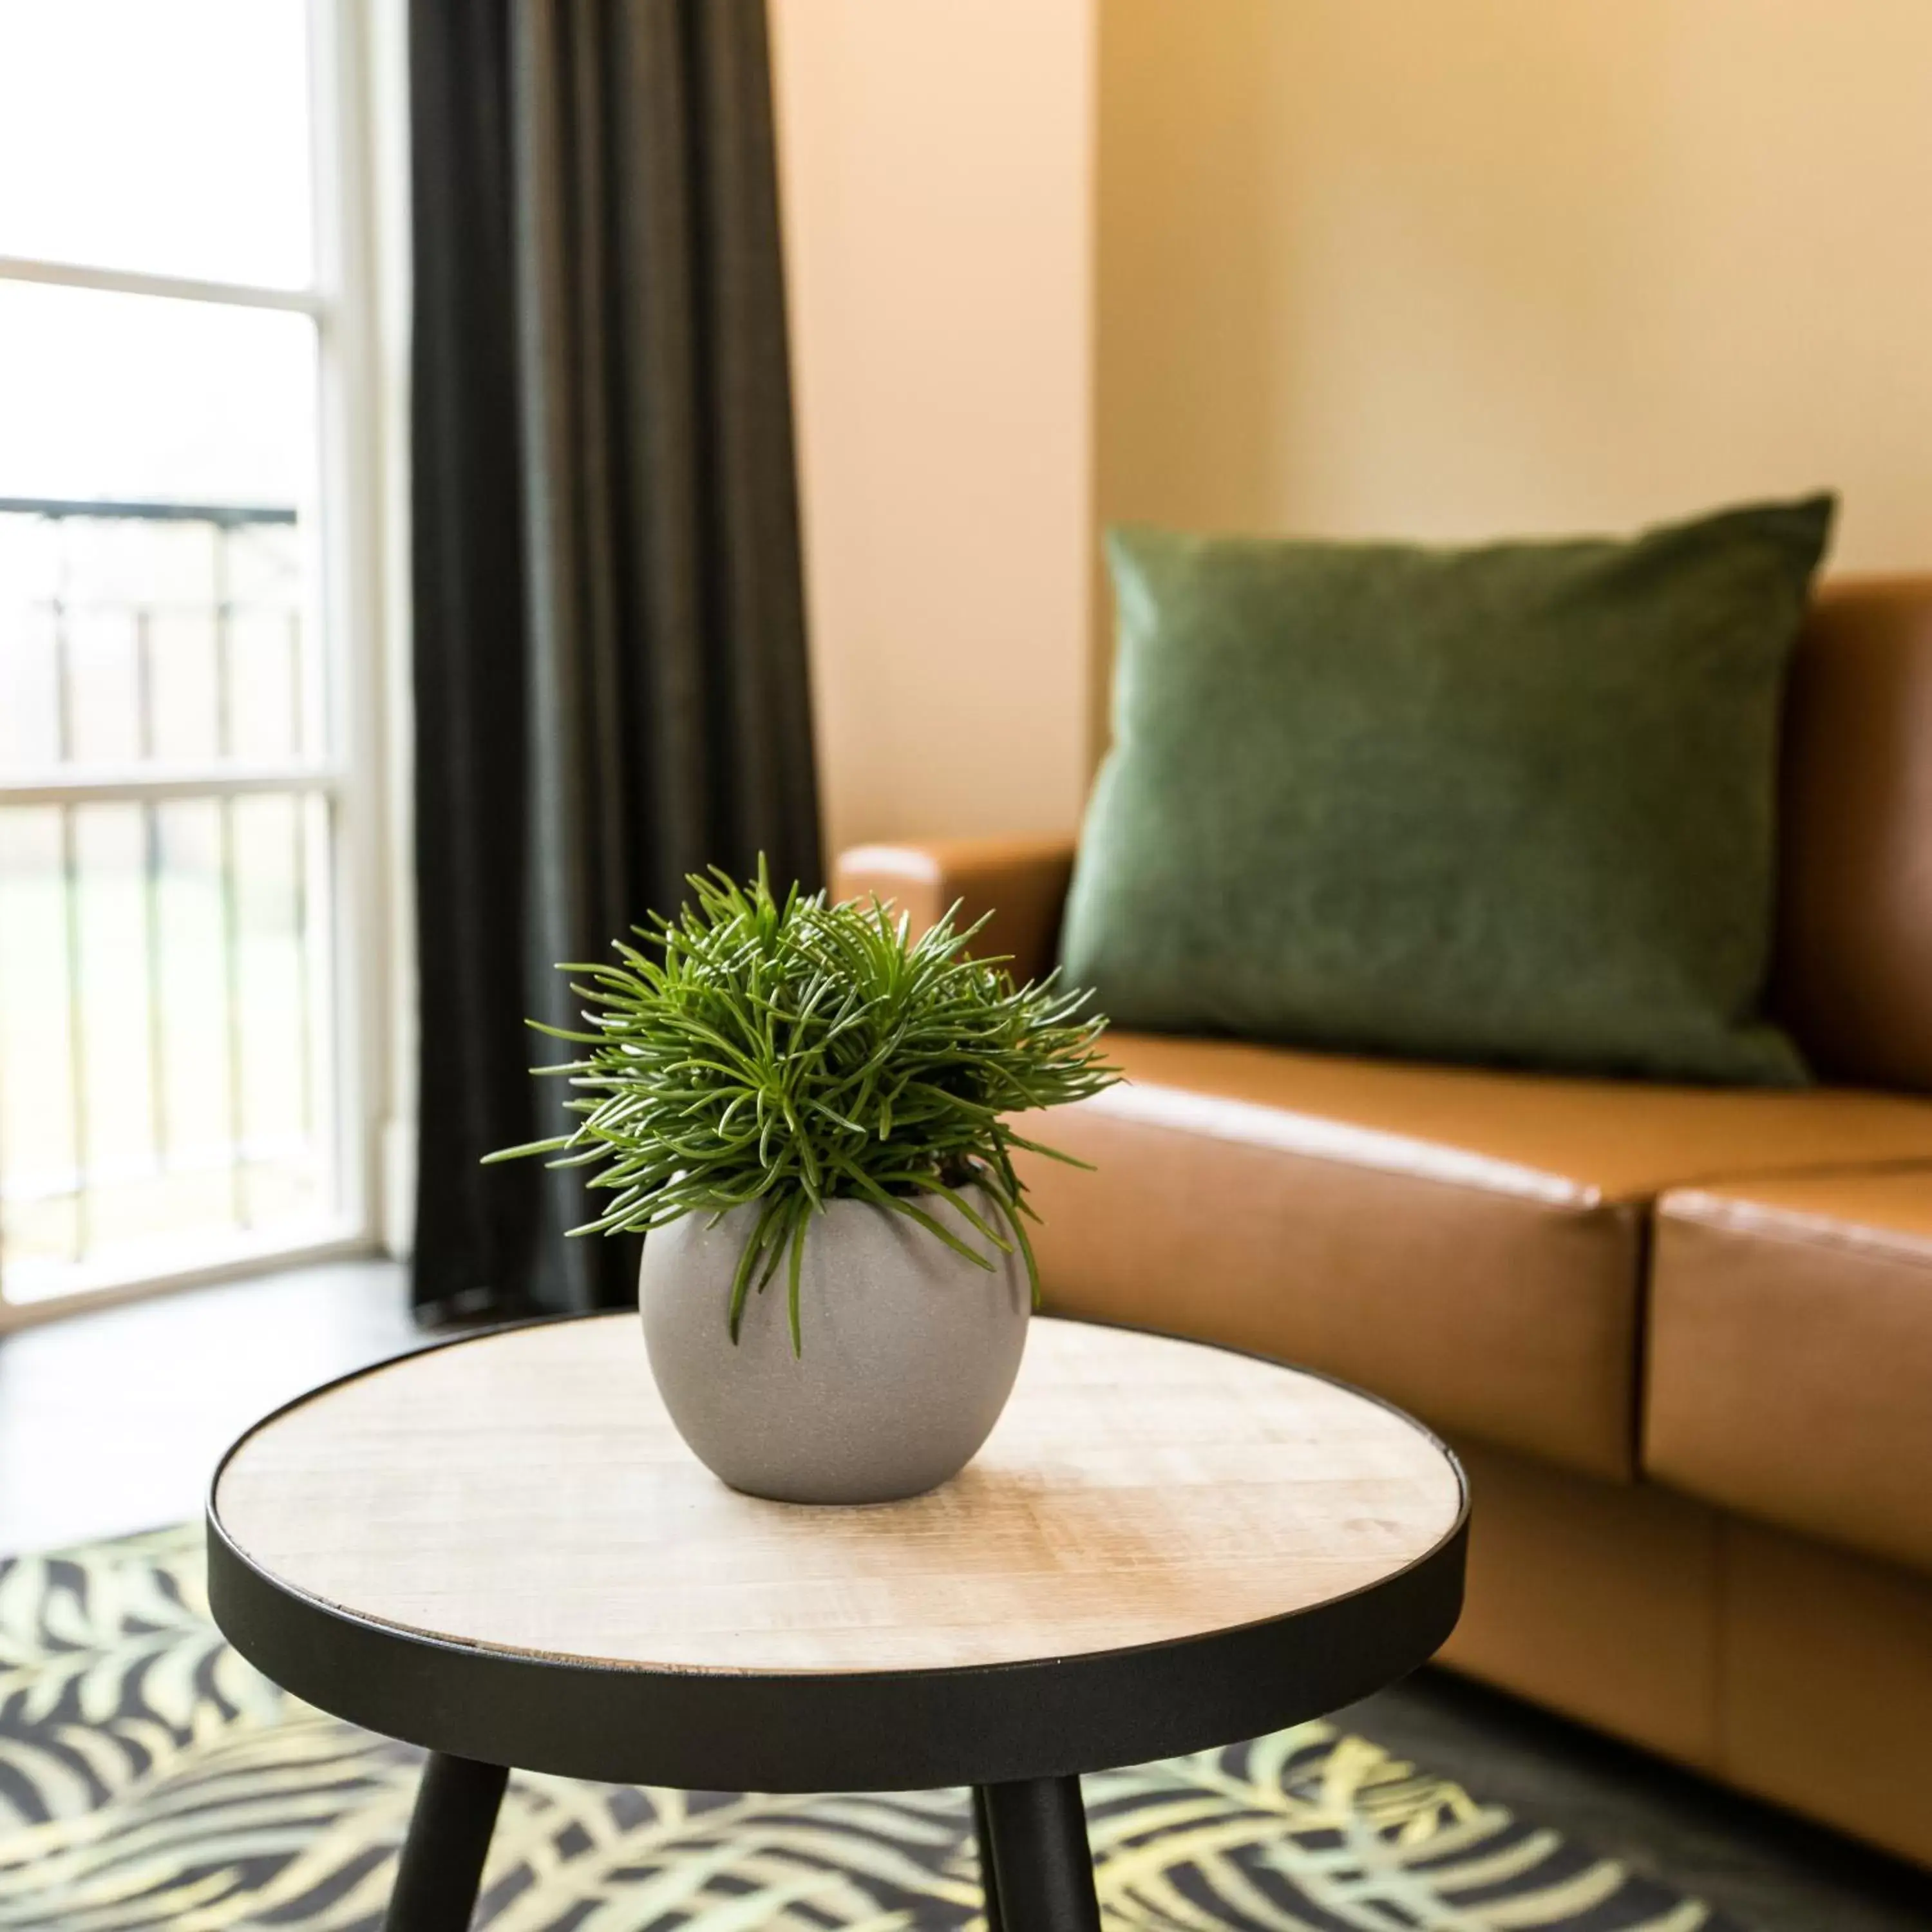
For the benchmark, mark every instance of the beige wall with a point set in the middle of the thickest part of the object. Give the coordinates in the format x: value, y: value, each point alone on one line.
x: 1431, y: 267
x: 1452, y: 267
x: 1446, y: 267
x: 937, y: 159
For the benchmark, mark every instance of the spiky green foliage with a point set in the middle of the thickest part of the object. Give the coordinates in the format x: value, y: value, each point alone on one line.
x: 787, y: 1054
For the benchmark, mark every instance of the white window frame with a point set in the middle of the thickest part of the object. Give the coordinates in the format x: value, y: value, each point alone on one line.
x: 358, y: 302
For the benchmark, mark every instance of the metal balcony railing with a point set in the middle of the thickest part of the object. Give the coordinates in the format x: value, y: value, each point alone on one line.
x: 166, y: 822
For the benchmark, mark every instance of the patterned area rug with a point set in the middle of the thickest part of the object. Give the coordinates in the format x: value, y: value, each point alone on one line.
x: 149, y: 1778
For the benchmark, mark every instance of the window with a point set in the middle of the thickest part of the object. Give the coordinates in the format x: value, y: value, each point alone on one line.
x: 187, y: 933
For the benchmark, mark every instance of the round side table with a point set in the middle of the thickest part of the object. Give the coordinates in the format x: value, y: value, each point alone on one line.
x: 498, y: 1548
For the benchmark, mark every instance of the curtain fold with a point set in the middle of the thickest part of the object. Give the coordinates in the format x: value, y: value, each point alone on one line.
x: 610, y: 677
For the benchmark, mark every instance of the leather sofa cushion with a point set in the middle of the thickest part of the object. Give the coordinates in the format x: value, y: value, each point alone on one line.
x: 1017, y: 884
x: 1468, y: 1242
x: 1790, y: 1368
x: 1853, y: 976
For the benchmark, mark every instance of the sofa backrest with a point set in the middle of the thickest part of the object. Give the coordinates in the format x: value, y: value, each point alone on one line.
x: 1852, y: 975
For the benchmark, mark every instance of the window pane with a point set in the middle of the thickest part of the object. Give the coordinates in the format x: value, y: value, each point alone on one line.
x: 164, y: 1006
x: 39, y: 1094
x: 135, y: 635
x: 168, y: 1056
x: 130, y: 396
x: 167, y: 1027
x: 178, y: 625
x: 171, y: 136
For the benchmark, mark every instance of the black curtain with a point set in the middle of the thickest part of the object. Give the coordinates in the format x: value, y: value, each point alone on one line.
x: 610, y: 669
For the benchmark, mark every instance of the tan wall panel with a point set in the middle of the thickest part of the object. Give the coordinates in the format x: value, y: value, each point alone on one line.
x: 937, y: 167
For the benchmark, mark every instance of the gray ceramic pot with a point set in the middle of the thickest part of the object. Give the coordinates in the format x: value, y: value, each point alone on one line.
x: 909, y: 1352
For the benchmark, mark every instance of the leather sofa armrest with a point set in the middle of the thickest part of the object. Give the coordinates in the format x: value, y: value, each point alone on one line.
x: 1021, y: 881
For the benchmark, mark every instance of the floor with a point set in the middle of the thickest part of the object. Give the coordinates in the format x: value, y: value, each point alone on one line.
x: 1771, y: 1872
x: 112, y: 1421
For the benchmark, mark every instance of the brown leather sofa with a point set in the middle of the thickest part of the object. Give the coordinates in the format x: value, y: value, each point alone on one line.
x: 1682, y: 1336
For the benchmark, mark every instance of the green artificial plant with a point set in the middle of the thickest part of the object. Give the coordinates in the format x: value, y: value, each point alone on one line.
x: 786, y: 1054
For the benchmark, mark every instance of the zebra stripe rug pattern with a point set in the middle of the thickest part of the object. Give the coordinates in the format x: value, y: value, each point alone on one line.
x: 149, y: 1778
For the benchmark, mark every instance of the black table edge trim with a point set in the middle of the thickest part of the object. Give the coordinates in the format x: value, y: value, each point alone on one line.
x: 700, y: 1729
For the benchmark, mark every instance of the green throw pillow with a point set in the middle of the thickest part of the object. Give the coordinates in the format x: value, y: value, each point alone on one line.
x: 1514, y: 803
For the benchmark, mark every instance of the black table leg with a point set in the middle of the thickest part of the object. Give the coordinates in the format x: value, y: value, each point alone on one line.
x: 989, y: 1883
x: 442, y: 1864
x: 1043, y: 1871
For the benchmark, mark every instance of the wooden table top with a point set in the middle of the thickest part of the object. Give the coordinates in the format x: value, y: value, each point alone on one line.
x: 525, y: 1492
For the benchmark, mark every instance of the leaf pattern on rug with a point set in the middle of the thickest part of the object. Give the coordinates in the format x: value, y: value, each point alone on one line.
x: 149, y: 1778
